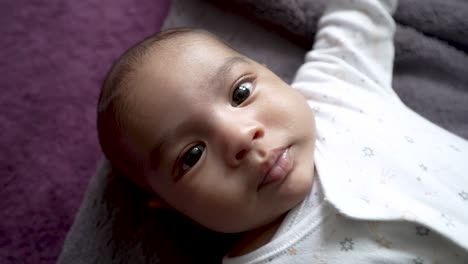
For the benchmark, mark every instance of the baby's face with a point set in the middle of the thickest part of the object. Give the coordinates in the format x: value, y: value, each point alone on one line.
x: 224, y: 140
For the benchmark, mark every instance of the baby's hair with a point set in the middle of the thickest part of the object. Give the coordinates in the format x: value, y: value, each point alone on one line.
x: 113, y: 104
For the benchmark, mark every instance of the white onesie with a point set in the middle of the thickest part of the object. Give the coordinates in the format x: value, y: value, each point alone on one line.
x: 390, y: 186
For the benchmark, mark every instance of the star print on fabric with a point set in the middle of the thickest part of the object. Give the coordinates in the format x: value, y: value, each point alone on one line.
x: 319, y: 259
x: 409, y: 139
x: 409, y: 215
x: 347, y: 244
x: 463, y: 195
x: 422, y: 230
x: 384, y: 242
x: 447, y: 220
x: 365, y: 199
x: 292, y: 251
x: 418, y: 261
x: 454, y: 148
x: 365, y: 11
x: 368, y: 152
x: 423, y: 167
x: 386, y: 175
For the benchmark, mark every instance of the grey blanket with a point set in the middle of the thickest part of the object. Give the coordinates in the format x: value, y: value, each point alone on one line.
x: 431, y: 76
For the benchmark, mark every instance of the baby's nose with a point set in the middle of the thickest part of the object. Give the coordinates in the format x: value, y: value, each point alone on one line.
x: 239, y: 140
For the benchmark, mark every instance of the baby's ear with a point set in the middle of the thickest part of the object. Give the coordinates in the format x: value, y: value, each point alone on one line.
x: 156, y: 203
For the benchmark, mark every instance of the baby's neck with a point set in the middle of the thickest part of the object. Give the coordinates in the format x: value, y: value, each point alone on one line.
x: 254, y: 239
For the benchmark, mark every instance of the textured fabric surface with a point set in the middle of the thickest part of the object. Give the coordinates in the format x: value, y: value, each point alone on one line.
x: 113, y: 225
x: 54, y: 56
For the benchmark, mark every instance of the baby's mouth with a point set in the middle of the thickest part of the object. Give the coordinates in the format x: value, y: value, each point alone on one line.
x: 276, y: 167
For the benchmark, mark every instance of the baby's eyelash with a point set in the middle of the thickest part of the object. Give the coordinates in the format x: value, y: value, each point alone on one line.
x: 245, y: 78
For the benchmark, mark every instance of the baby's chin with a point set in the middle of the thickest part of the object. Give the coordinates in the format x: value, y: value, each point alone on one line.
x: 271, y: 219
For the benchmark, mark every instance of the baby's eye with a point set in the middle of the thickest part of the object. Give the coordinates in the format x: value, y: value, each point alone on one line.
x: 241, y: 93
x: 192, y: 156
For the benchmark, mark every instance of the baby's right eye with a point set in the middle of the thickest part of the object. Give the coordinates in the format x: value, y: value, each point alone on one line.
x: 191, y: 157
x: 241, y: 93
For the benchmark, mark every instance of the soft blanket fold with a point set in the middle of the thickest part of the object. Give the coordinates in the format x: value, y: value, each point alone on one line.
x: 430, y: 75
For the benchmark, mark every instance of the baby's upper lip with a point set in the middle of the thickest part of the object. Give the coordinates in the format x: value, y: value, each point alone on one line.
x: 267, y: 164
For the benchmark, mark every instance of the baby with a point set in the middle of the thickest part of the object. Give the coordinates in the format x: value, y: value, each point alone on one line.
x: 221, y: 139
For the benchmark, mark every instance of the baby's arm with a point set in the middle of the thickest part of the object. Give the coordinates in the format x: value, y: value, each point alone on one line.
x: 354, y: 43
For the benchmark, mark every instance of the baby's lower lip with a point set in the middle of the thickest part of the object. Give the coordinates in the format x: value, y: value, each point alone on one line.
x: 279, y: 170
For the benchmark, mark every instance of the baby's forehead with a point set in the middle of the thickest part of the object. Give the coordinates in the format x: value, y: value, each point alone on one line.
x: 192, y: 58
x: 209, y: 70
x: 181, y: 44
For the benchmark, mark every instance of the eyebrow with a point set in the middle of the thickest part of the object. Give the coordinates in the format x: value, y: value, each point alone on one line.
x: 219, y: 79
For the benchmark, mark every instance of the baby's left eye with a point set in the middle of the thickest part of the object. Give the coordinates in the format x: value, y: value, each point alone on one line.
x: 192, y: 156
x: 241, y: 93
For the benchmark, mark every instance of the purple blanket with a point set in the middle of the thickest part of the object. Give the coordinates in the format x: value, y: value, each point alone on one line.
x: 54, y: 55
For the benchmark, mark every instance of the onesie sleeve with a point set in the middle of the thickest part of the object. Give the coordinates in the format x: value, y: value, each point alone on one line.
x: 354, y: 44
